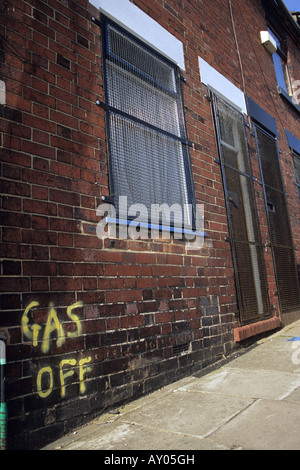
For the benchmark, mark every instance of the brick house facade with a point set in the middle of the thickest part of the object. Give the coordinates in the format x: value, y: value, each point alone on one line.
x: 91, y: 322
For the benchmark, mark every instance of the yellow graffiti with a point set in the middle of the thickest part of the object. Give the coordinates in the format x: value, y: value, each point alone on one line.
x: 82, y: 373
x: 35, y: 328
x: 39, y: 382
x: 74, y: 318
x: 52, y: 325
x: 70, y: 362
x: 63, y: 375
x: 54, y: 328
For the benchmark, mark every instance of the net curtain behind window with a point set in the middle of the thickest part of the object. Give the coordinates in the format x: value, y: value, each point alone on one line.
x: 148, y: 159
x: 247, y: 251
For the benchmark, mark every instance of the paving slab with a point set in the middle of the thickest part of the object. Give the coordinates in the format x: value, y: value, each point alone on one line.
x: 278, y: 353
x: 193, y: 413
x: 293, y: 397
x: 265, y: 425
x: 127, y: 436
x: 238, y: 382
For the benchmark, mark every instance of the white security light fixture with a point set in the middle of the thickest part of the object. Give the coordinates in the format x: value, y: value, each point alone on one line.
x: 268, y: 41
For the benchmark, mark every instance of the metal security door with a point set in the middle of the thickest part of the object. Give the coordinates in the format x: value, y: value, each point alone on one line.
x: 247, y: 250
x: 278, y: 220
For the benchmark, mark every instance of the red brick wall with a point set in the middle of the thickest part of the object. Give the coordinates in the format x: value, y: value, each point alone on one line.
x: 84, y: 317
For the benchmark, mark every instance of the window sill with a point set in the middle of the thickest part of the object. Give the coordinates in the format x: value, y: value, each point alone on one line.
x: 244, y: 332
x: 285, y: 95
x: 149, y: 226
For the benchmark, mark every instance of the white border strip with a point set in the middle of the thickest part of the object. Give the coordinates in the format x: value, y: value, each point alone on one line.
x: 217, y: 82
x: 145, y: 28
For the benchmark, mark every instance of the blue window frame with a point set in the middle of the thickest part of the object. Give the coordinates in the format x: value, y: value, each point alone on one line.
x: 280, y: 64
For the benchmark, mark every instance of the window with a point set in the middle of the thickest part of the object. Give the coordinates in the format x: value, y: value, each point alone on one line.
x: 247, y: 250
x: 280, y: 64
x: 296, y: 157
x: 148, y: 146
x: 278, y: 221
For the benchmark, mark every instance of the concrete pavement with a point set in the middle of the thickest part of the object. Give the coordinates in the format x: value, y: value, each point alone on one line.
x: 249, y: 403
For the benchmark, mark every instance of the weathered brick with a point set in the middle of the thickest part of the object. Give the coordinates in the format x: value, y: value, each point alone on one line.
x: 110, y: 302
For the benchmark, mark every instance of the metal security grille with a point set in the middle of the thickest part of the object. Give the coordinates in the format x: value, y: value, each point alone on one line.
x: 247, y: 250
x: 279, y: 224
x: 296, y: 157
x: 148, y: 146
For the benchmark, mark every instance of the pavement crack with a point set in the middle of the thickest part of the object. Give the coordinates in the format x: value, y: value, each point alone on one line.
x: 232, y: 417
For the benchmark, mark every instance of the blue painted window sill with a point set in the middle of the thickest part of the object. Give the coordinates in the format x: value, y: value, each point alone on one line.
x: 285, y: 95
x: 150, y: 226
